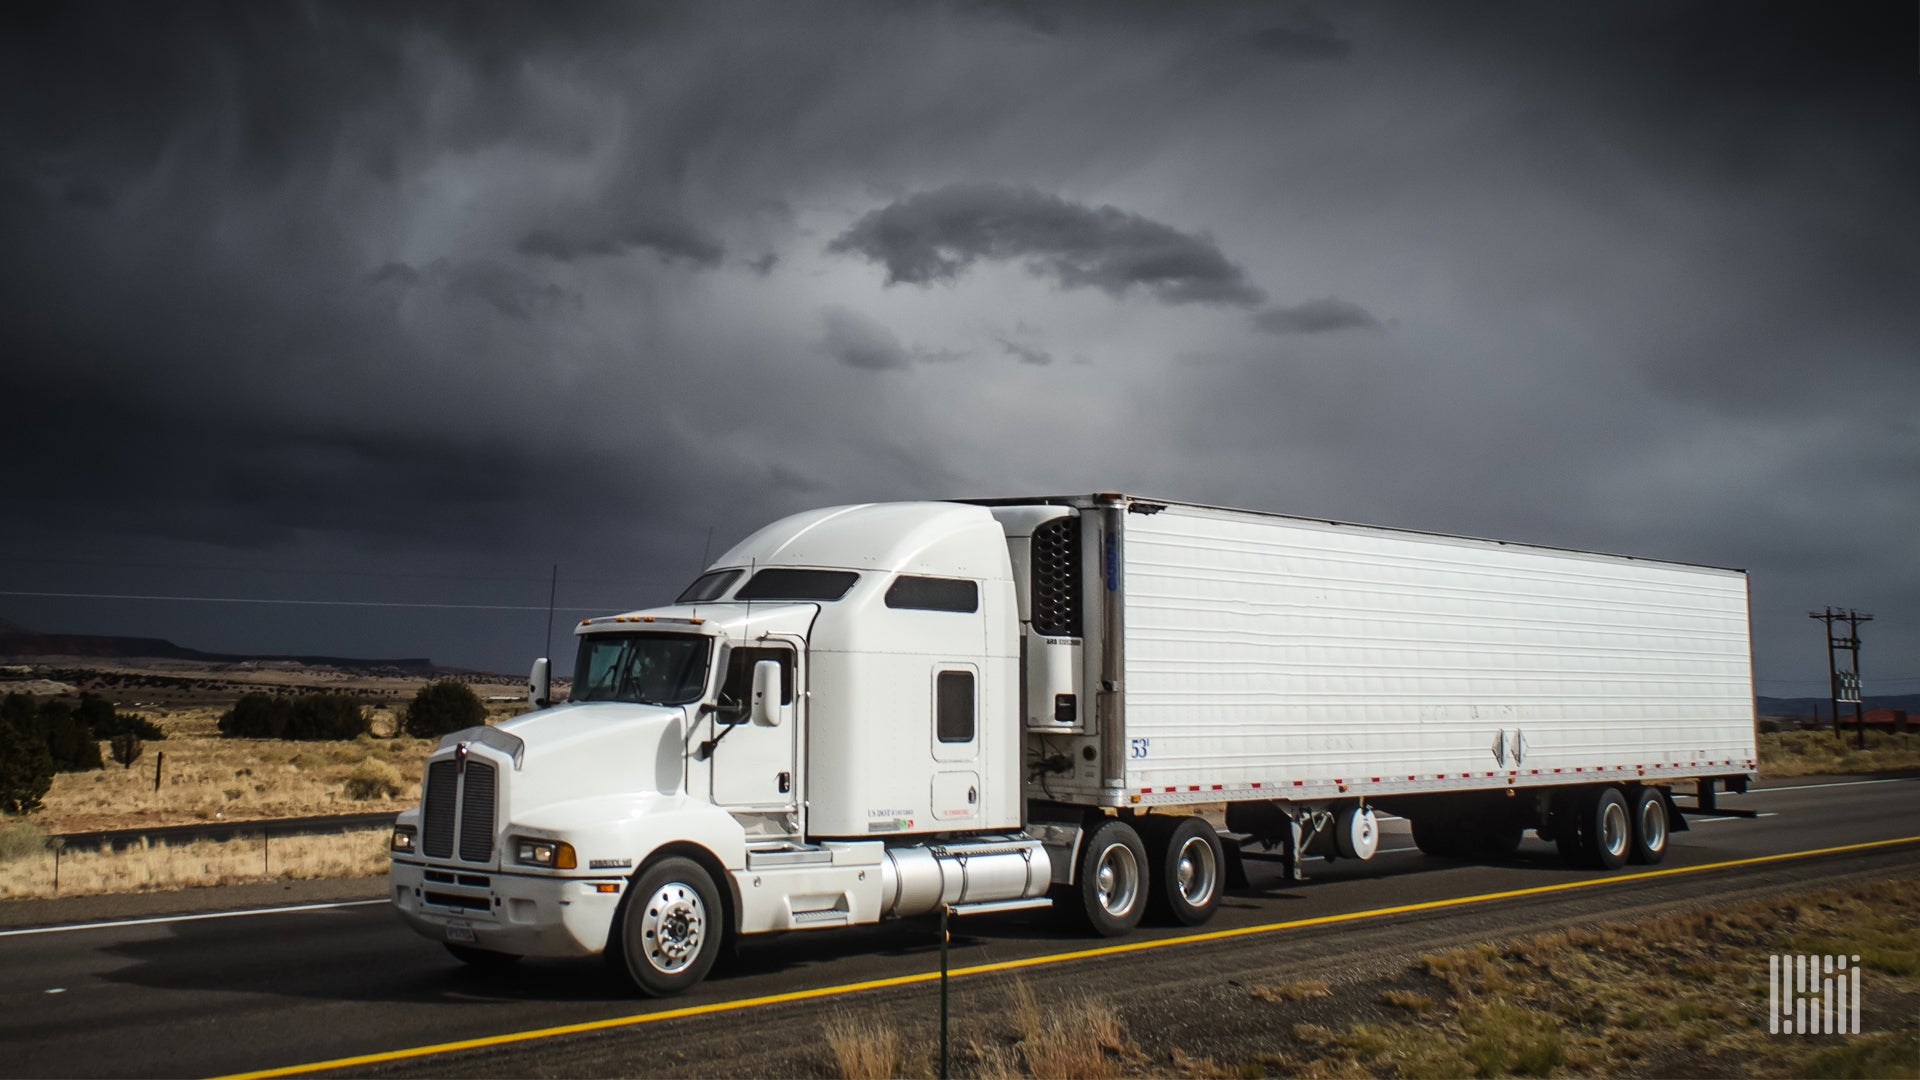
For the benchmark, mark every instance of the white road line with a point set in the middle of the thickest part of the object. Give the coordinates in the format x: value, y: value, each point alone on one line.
x: 1843, y: 783
x: 188, y: 918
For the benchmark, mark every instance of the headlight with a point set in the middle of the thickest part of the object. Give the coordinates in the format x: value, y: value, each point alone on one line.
x: 402, y: 842
x: 546, y: 854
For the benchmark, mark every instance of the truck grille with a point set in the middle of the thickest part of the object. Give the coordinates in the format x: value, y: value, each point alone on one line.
x: 1056, y: 578
x: 476, y: 813
x: 475, y: 796
x: 436, y: 811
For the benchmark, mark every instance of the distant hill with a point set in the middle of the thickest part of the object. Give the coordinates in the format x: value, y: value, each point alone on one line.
x: 19, y: 643
x: 1823, y: 707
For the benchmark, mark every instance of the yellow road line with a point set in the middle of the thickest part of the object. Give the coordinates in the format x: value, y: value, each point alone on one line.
x: 1032, y: 961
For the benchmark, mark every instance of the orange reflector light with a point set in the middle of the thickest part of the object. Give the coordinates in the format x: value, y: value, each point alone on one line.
x: 608, y: 887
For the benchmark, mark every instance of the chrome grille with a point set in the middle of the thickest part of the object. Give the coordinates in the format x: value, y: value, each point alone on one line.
x: 476, y: 812
x: 1056, y: 578
x: 437, y: 803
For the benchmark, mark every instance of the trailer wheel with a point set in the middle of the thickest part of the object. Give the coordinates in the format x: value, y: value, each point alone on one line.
x: 1606, y: 829
x: 670, y: 927
x: 1189, y: 865
x: 1112, y: 880
x: 1649, y: 826
x: 484, y: 959
x: 1436, y: 835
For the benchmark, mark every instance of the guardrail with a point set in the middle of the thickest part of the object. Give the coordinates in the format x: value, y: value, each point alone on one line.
x: 119, y: 839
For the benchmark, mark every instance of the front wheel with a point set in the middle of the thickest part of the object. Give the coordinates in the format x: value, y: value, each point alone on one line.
x: 670, y: 927
x: 1112, y: 883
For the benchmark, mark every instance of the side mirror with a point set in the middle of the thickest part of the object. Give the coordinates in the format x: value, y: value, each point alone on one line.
x: 539, y: 689
x: 765, y: 709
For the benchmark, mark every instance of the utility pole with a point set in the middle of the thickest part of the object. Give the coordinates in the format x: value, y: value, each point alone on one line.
x: 1845, y: 685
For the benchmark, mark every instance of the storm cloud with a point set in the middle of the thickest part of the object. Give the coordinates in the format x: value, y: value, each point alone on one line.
x: 933, y: 236
x: 1322, y: 316
x: 409, y: 304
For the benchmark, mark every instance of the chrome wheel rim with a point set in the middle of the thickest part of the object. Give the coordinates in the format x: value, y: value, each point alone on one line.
x: 1613, y: 828
x: 1196, y: 872
x: 674, y: 928
x: 1653, y: 825
x: 1116, y: 880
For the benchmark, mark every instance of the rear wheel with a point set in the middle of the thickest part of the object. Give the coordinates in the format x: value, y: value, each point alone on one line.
x: 1436, y: 834
x: 1112, y: 882
x: 1606, y: 829
x: 670, y: 927
x: 1649, y: 825
x: 1189, y: 865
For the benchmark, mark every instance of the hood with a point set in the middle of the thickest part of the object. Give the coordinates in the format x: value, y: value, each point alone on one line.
x: 594, y: 748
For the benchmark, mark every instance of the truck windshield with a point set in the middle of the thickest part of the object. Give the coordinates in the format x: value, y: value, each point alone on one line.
x: 653, y: 669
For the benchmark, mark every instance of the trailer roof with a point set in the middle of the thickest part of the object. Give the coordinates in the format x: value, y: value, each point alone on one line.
x: 1140, y: 504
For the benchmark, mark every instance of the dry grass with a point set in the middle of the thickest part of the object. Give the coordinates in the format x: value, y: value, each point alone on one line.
x: 865, y: 1047
x: 1684, y: 994
x: 1064, y: 1038
x: 208, y: 778
x: 27, y: 867
x: 1819, y: 753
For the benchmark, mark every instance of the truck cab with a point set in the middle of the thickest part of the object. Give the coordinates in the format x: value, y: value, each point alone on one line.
x: 821, y: 730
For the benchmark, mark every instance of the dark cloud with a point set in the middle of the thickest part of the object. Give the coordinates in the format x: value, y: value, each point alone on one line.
x: 1322, y: 316
x: 934, y: 235
x: 861, y: 343
x: 503, y: 288
x: 672, y: 241
x: 1301, y: 35
x: 1026, y: 354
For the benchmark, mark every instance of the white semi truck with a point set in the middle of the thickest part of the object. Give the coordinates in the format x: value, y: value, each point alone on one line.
x: 877, y: 711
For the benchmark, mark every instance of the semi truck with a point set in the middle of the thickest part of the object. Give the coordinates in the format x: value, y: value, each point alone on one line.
x: 885, y: 710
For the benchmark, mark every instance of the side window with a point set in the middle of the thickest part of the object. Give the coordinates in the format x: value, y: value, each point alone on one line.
x: 953, y: 706
x: 736, y: 693
x: 709, y: 586
x: 933, y: 594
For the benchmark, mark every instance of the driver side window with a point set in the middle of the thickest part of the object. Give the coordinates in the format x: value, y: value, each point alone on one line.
x: 736, y: 692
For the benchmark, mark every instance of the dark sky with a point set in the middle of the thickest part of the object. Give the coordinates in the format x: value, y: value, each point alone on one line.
x: 395, y: 305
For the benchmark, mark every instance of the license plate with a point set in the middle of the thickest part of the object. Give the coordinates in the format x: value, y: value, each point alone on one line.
x: 459, y: 930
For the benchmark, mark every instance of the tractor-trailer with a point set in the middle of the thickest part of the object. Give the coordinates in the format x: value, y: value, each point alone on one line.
x: 890, y: 709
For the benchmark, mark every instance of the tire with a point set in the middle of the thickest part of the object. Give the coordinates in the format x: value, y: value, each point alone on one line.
x: 1188, y: 867
x: 1497, y: 836
x: 670, y: 927
x: 483, y: 959
x: 1436, y: 835
x: 1606, y: 829
x: 1112, y: 879
x: 1650, y: 826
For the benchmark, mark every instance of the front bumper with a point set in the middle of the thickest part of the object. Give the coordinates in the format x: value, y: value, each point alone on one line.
x: 520, y: 914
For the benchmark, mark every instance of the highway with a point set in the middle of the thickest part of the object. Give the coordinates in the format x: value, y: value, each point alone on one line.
x: 348, y: 985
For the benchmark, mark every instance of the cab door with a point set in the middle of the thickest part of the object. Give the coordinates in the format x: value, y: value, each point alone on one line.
x: 753, y: 767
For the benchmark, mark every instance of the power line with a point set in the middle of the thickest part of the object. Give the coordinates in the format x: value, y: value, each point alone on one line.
x: 316, y: 603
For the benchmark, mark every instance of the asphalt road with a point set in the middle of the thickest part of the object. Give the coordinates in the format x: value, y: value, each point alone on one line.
x: 200, y: 996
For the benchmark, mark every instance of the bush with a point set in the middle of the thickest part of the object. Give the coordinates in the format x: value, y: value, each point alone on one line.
x: 97, y: 713
x: 26, y: 768
x: 312, y: 718
x: 373, y: 779
x: 21, y: 840
x: 69, y: 739
x: 126, y: 748
x: 441, y: 708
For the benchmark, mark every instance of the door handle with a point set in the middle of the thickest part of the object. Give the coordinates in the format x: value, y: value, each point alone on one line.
x: 973, y: 796
x: 786, y: 783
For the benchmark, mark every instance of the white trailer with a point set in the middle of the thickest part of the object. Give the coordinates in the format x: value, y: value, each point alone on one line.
x: 877, y: 711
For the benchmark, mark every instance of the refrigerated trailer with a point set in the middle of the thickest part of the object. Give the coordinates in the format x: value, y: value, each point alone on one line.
x: 885, y: 710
